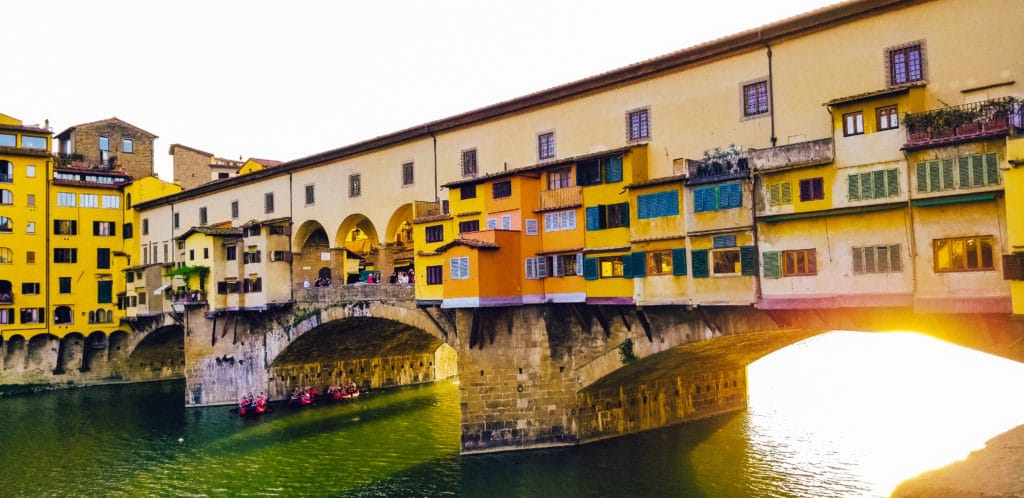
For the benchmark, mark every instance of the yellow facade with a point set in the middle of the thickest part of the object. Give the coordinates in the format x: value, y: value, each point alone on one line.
x: 1014, y: 177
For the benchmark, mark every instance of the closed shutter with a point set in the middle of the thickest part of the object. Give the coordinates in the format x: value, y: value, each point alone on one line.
x: 644, y: 206
x: 590, y: 268
x: 748, y: 260
x: 700, y: 263
x: 105, y: 291
x: 679, y: 261
x: 787, y: 194
x: 775, y: 194
x: 947, y: 175
x: 882, y: 259
x: 613, y: 170
x: 698, y: 199
x: 892, y: 187
x: 812, y: 261
x: 639, y: 264
x: 1013, y: 266
x: 671, y: 203
x: 977, y: 171
x: 542, y: 267
x: 895, y: 259
x: 853, y: 187
x: 103, y: 258
x: 531, y: 268
x: 593, y: 218
x: 627, y: 265
x: 858, y: 260
x: 992, y: 168
x: 964, y: 169
x: 878, y: 179
x: 624, y: 213
x: 867, y: 190
x: 579, y: 264
x: 922, y: 177
x: 770, y: 260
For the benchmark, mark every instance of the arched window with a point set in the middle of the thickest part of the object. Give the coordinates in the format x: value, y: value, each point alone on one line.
x: 6, y: 172
x: 6, y: 295
x: 6, y: 255
x: 92, y: 316
x: 6, y: 197
x: 62, y: 315
x: 6, y: 225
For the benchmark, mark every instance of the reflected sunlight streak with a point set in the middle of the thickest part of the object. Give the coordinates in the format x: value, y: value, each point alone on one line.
x: 855, y: 414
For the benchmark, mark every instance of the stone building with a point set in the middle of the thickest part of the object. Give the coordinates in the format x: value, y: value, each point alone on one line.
x: 194, y: 167
x: 108, y: 144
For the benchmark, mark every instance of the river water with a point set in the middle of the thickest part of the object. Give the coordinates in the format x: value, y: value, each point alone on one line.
x: 853, y: 424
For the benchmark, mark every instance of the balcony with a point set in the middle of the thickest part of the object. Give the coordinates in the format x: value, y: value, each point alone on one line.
x: 718, y: 166
x: 561, y: 198
x: 947, y: 125
x: 189, y: 298
x: 798, y: 155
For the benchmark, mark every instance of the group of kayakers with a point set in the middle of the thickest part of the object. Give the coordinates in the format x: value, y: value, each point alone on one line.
x: 345, y: 391
x: 251, y: 405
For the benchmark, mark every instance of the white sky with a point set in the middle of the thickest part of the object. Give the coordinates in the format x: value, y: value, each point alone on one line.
x: 282, y: 80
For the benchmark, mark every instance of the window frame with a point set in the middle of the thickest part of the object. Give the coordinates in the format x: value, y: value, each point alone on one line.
x: 501, y: 190
x: 559, y: 178
x: 355, y: 185
x: 853, y: 123
x: 897, y: 76
x: 755, y: 98
x: 268, y: 203
x: 310, y: 194
x: 408, y: 174
x: 433, y: 233
x: 469, y: 162
x: 435, y: 274
x: 127, y: 146
x: 458, y: 268
x: 799, y: 262
x: 638, y: 124
x: 814, y: 188
x: 981, y: 240
x: 545, y: 145
x: 887, y: 117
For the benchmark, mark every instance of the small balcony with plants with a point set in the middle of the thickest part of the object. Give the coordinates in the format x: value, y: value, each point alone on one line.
x: 951, y: 124
x: 718, y: 165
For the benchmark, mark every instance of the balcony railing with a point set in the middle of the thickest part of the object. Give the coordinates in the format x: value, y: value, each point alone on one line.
x: 561, y: 198
x: 716, y: 170
x: 423, y: 209
x: 810, y: 153
x: 190, y: 298
x: 988, y: 118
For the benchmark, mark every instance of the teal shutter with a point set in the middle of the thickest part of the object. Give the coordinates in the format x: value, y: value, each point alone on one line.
x: 771, y: 264
x: 672, y: 202
x: 992, y: 168
x: 700, y: 263
x: 748, y: 260
x: 613, y: 170
x: 627, y: 265
x: 644, y: 207
x: 735, y: 195
x: 698, y: 199
x: 639, y: 264
x: 105, y: 291
x: 589, y: 268
x: 624, y: 212
x: 679, y: 261
x: 853, y: 187
x: 593, y: 218
x: 892, y: 181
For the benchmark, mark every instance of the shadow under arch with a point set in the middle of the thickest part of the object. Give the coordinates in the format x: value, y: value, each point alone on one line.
x: 158, y: 355
x: 311, y: 244
x: 372, y: 352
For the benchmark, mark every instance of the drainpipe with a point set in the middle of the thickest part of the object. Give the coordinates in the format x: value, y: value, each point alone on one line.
x: 437, y: 197
x: 911, y: 239
x: 771, y: 93
x: 291, y: 226
x: 47, y: 257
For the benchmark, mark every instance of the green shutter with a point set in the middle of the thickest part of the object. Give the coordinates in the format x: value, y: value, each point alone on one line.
x: 878, y: 184
x: 700, y: 263
x: 639, y: 264
x: 787, y: 195
x: 679, y: 261
x: 593, y: 218
x: 772, y: 267
x: 977, y: 171
x: 964, y: 170
x: 922, y: 177
x: 992, y: 168
x: 947, y: 175
x: 892, y: 181
x: 627, y: 265
x: 748, y: 260
x: 105, y: 291
x: 866, y: 186
x: 853, y: 187
x: 590, y: 268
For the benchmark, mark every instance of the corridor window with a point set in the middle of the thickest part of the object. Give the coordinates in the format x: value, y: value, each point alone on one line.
x: 638, y: 125
x: 355, y: 186
x: 905, y: 63
x: 546, y: 145
x: 28, y: 142
x: 755, y: 98
x: 111, y: 201
x: 66, y: 199
x: 268, y: 202
x: 202, y: 216
x: 886, y: 118
x: 963, y: 254
x: 853, y: 123
x: 469, y: 162
x: 234, y: 210
x: 408, y: 177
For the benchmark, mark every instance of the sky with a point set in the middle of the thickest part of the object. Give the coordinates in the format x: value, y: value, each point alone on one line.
x: 284, y: 80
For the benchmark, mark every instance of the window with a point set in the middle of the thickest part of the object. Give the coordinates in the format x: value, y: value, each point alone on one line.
x: 30, y: 171
x: 6, y: 255
x: 434, y: 275
x: 66, y: 199
x: 104, y: 144
x: 725, y: 261
x: 434, y: 233
x: 537, y: 267
x: 873, y: 185
x: 638, y: 125
x: 469, y: 162
x: 6, y: 316
x: 6, y: 225
x: 566, y: 265
x: 231, y: 253
x: 206, y: 253
x: 103, y: 258
x: 657, y: 204
x: 8, y: 140
x: 799, y: 262
x: 886, y: 118
x: 853, y: 123
x: 408, y: 177
x: 469, y: 226
x: 32, y: 315
x: 268, y: 202
x: 29, y: 142
x: 354, y: 185
x: 755, y: 98
x: 222, y: 175
x: 103, y: 228
x: 65, y: 227
x: 65, y: 255
x: 812, y: 189
x: 610, y: 267
x: 877, y: 259
x: 202, y: 216
x: 251, y: 255
x: 274, y: 255
x: 30, y: 288
x: 779, y: 194
x: 234, y: 210
x: 6, y: 170
x: 963, y: 254
x: 459, y: 268
x: 611, y: 216
x: 176, y: 219
x: 64, y: 285
x: 593, y: 171
x: 659, y: 262
x: 560, y: 178
x: 127, y: 145
x: 506, y: 222
x: 467, y: 192
x: 252, y: 284
x: 90, y: 200
x: 716, y: 197
x: 546, y: 145
x: 492, y: 223
x: 935, y: 176
x: 531, y: 226
x: 978, y: 170
x: 30, y: 257
x: 30, y: 227
x: 6, y: 197
x: 30, y: 200
x: 127, y: 231
x: 906, y: 64
x: 62, y: 315
x: 560, y: 220
x: 501, y: 190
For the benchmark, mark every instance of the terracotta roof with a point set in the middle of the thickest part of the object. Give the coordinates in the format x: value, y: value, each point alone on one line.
x: 213, y: 232
x: 428, y: 219
x: 474, y: 243
x: 192, y: 149
x: 267, y: 163
x: 114, y: 119
x: 28, y: 128
x: 658, y: 181
x: 542, y: 166
x: 874, y: 93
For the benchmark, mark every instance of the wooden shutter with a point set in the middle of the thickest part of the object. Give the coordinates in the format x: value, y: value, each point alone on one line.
x: 627, y: 265
x: 922, y: 177
x: 639, y: 264
x: 105, y: 291
x: 557, y: 266
x: 613, y: 170
x: 812, y: 261
x: 992, y: 168
x: 624, y: 213
x: 867, y: 190
x: 964, y: 170
x: 679, y: 261
x: 947, y: 175
x: 892, y: 187
x: 590, y: 269
x: 700, y: 263
x: 853, y: 187
x: 878, y: 184
x: 579, y: 263
x: 593, y: 217
x: 748, y: 260
x: 531, y: 268
x: 644, y: 206
x: 895, y: 259
x: 698, y: 199
x: 858, y: 260
x: 770, y: 260
x: 1013, y: 266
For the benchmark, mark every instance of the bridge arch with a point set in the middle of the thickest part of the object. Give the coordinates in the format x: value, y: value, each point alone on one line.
x: 399, y: 229
x: 160, y: 354
x: 358, y: 237
x: 313, y: 252
x: 13, y: 350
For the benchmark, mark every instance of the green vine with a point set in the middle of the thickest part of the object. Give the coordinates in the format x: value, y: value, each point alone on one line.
x: 626, y: 352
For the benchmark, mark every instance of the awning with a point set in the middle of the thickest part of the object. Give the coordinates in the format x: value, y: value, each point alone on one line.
x: 161, y: 289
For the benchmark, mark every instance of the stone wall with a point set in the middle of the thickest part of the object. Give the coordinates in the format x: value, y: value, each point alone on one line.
x: 191, y: 168
x: 138, y: 163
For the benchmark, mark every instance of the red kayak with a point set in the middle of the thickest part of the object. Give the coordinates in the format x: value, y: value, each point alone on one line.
x: 250, y: 408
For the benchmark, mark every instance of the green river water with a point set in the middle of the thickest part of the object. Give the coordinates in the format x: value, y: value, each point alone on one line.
x: 824, y: 434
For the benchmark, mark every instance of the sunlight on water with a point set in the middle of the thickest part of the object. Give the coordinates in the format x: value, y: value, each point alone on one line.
x: 855, y: 414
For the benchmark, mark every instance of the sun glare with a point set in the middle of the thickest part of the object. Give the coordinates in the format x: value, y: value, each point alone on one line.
x: 876, y: 408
